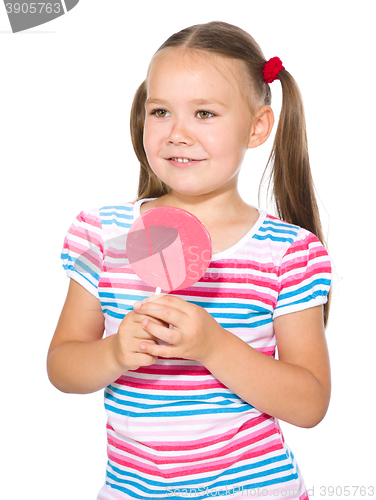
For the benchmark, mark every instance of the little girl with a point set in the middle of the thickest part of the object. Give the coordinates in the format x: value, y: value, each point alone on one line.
x: 196, y: 415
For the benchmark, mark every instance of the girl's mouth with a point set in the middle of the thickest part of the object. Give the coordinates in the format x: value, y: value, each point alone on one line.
x: 182, y: 162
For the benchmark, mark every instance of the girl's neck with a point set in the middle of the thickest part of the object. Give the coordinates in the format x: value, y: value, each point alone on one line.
x: 211, y: 211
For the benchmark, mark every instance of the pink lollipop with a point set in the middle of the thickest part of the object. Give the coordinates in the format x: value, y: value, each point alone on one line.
x: 169, y: 248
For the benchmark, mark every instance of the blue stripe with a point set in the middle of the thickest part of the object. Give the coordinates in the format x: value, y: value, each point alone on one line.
x: 309, y: 286
x: 118, y: 207
x: 208, y: 411
x: 281, y: 223
x: 278, y: 230
x: 204, y: 484
x: 221, y: 492
x: 254, y: 324
x: 314, y: 295
x: 159, y: 397
x: 116, y: 214
x: 273, y: 238
x: 65, y: 257
x: 113, y: 314
x: 145, y: 406
x: 124, y: 296
x: 117, y: 305
x: 114, y: 221
x: 110, y: 309
x: 229, y: 315
x: 203, y: 480
x: 206, y: 305
x: 250, y: 315
x: 84, y: 275
x: 232, y: 305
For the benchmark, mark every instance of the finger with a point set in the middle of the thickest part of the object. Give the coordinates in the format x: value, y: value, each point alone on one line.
x: 157, y: 321
x: 168, y: 335
x: 162, y: 351
x: 165, y: 313
x: 146, y: 359
x: 144, y: 335
x: 140, y: 317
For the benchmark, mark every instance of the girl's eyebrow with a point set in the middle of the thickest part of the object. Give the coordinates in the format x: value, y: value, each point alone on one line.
x: 201, y: 102
x: 198, y: 102
x: 154, y: 101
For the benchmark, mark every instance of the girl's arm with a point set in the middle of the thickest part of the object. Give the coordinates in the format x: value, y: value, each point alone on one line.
x: 294, y: 388
x: 81, y: 361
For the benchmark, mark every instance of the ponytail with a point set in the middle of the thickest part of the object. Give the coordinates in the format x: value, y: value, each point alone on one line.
x: 293, y: 187
x: 149, y: 185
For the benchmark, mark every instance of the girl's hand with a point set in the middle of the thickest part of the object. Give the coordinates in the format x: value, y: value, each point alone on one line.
x: 128, y: 337
x: 194, y: 335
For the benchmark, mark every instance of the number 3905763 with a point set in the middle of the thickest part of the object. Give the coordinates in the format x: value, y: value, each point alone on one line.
x: 32, y: 8
x: 347, y: 491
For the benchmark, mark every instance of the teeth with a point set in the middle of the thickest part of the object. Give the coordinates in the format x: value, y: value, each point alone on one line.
x: 181, y: 160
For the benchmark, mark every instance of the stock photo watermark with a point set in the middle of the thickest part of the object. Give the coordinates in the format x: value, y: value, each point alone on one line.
x: 321, y: 491
x: 28, y: 14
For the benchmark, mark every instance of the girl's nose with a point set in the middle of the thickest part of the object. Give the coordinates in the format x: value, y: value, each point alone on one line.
x: 180, y: 135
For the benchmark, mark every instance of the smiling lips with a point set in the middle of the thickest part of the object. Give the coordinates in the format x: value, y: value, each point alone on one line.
x: 181, y: 159
x: 180, y: 162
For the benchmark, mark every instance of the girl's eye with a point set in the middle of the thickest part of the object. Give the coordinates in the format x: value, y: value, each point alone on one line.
x: 204, y: 114
x: 161, y: 113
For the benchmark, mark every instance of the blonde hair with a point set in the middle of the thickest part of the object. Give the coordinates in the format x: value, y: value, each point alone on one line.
x: 290, y: 173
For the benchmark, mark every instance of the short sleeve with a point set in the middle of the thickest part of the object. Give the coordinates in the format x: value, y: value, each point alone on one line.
x: 304, y: 275
x: 82, y: 255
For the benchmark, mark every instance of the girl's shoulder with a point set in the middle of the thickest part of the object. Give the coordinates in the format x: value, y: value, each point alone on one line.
x: 288, y: 242
x: 117, y: 216
x: 281, y: 232
x: 108, y: 218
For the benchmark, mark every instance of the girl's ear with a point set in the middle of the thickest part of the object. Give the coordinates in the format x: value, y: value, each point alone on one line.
x: 262, y: 127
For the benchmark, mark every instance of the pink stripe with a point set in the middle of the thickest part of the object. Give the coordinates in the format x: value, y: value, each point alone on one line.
x: 245, y: 294
x: 304, y: 243
x: 109, y: 283
x: 186, y: 470
x: 191, y: 291
x: 213, y: 439
x: 89, y: 219
x: 231, y: 447
x: 119, y: 268
x: 117, y: 253
x: 228, y: 293
x: 85, y: 234
x: 289, y: 281
x: 303, y: 263
x: 263, y: 282
x: 90, y: 255
x: 174, y: 370
x: 171, y: 386
x: 242, y: 264
x: 158, y: 369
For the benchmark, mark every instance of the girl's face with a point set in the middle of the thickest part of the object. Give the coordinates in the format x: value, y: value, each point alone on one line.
x: 198, y: 124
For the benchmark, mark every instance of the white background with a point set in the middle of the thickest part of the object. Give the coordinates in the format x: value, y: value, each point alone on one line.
x: 66, y: 89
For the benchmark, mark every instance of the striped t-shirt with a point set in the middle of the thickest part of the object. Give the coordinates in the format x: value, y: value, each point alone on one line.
x: 173, y: 430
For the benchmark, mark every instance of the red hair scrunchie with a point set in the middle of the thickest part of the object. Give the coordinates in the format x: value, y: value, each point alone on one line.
x: 271, y: 69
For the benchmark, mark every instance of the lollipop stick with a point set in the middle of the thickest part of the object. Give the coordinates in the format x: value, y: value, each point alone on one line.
x: 157, y: 291
x: 166, y: 270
